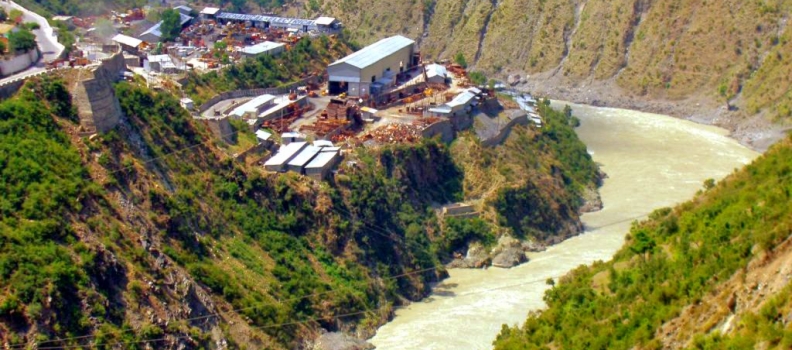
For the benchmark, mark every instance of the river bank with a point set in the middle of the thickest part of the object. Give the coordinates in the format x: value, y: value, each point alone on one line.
x: 755, y: 132
x: 651, y: 160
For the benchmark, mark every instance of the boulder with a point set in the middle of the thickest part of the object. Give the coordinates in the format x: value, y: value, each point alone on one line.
x: 513, y: 79
x: 509, y: 257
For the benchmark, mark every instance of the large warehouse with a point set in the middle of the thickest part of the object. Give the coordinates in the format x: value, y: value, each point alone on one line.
x: 374, y: 67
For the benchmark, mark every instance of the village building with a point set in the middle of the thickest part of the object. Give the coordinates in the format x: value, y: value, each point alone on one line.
x: 370, y: 70
x: 322, y: 165
x: 263, y: 48
x: 285, y: 154
x: 154, y: 34
x: 436, y: 74
x: 298, y: 163
x: 128, y: 43
x: 253, y: 108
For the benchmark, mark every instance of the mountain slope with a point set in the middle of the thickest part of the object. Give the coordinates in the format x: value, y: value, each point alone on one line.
x: 624, y: 53
x: 711, y: 273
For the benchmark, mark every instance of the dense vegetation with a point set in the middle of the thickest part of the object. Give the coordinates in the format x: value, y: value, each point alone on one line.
x: 672, y: 260
x: 307, y: 57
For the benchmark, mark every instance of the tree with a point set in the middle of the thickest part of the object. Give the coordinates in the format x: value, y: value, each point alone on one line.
x: 2, y: 47
x: 3, y: 15
x: 171, y: 24
x: 460, y: 60
x: 22, y: 40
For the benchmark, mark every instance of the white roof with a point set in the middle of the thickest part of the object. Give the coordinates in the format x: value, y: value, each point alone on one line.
x: 434, y: 70
x: 444, y: 109
x: 262, y: 134
x: 261, y: 47
x: 210, y: 10
x: 331, y: 149
x: 159, y: 58
x: 474, y: 90
x: 461, y: 99
x: 369, y: 110
x: 292, y: 134
x: 285, y: 153
x: 62, y: 18
x: 305, y: 156
x: 325, y: 21
x: 376, y: 52
x: 186, y: 100
x: 155, y: 30
x: 252, y: 105
x: 321, y: 160
x: 127, y: 40
x: 323, y: 143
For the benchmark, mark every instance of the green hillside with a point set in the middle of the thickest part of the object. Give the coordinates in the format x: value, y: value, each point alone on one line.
x: 684, y: 271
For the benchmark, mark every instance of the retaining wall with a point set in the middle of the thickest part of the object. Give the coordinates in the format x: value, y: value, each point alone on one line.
x: 504, y: 132
x: 254, y: 92
x: 18, y: 63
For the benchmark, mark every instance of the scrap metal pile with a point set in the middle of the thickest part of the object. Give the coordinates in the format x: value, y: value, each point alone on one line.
x: 337, y: 116
x: 398, y: 133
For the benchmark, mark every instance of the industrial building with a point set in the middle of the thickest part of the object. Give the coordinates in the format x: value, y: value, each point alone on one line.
x: 372, y: 69
x: 263, y: 48
x: 322, y: 164
x: 461, y: 103
x: 285, y: 154
x: 252, y: 108
x: 298, y: 163
x: 322, y: 24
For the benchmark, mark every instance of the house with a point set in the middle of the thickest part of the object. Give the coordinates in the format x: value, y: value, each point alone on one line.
x: 285, y: 154
x: 322, y: 164
x: 436, y: 74
x: 160, y: 64
x: 128, y: 43
x: 371, y: 69
x: 298, y: 163
x: 264, y: 48
x: 462, y: 103
x: 253, y: 108
x: 154, y: 34
x: 327, y: 24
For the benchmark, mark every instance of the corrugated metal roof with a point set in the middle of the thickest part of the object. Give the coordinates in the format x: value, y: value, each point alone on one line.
x: 462, y: 99
x: 305, y: 156
x: 321, y: 160
x: 272, y: 20
x: 434, y: 70
x: 376, y: 52
x: 127, y: 40
x: 262, y: 135
x: 261, y: 47
x: 252, y: 105
x: 285, y: 153
x: 323, y: 143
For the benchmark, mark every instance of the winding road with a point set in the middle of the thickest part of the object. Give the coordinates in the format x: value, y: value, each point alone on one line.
x: 45, y: 37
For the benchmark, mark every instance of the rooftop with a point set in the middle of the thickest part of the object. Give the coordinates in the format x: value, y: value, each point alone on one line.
x: 210, y: 11
x: 262, y: 134
x: 285, y: 153
x: 462, y: 99
x: 321, y: 160
x: 159, y: 58
x: 61, y: 18
x: 324, y: 21
x: 323, y: 143
x: 434, y: 70
x: 127, y: 40
x: 155, y: 30
x: 261, y: 47
x: 376, y: 52
x: 252, y: 105
x: 272, y: 20
x: 305, y: 156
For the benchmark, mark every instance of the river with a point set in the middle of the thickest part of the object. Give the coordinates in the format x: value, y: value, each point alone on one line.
x: 652, y: 161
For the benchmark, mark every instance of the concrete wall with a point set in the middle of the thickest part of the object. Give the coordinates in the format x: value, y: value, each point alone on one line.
x: 18, y: 63
x: 504, y: 132
x: 221, y: 128
x: 97, y: 105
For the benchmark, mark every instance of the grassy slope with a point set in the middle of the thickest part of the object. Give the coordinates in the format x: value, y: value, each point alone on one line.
x: 672, y: 260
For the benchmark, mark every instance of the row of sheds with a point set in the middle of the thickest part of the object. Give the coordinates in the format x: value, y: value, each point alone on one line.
x: 315, y: 160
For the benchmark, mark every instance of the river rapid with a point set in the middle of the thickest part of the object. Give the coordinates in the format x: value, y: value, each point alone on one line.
x: 652, y: 161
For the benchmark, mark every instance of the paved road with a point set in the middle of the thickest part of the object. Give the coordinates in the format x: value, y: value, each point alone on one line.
x: 45, y: 37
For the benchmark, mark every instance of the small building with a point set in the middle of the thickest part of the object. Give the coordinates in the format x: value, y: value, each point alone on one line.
x: 263, y: 136
x: 289, y: 137
x: 154, y: 34
x: 132, y: 60
x: 263, y: 48
x: 370, y: 70
x: 436, y: 74
x: 209, y: 13
x: 128, y: 43
x: 368, y: 113
x: 459, y: 210
x: 187, y: 103
x: 327, y: 24
x: 253, y: 108
x: 298, y: 163
x: 285, y: 154
x: 160, y: 64
x: 462, y: 103
x: 322, y: 164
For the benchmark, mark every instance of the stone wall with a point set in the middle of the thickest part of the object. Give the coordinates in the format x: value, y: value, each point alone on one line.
x: 93, y: 94
x: 444, y: 128
x: 221, y: 128
x: 516, y: 117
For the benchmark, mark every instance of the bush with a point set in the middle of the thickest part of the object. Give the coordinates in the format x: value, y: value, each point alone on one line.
x: 22, y: 40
